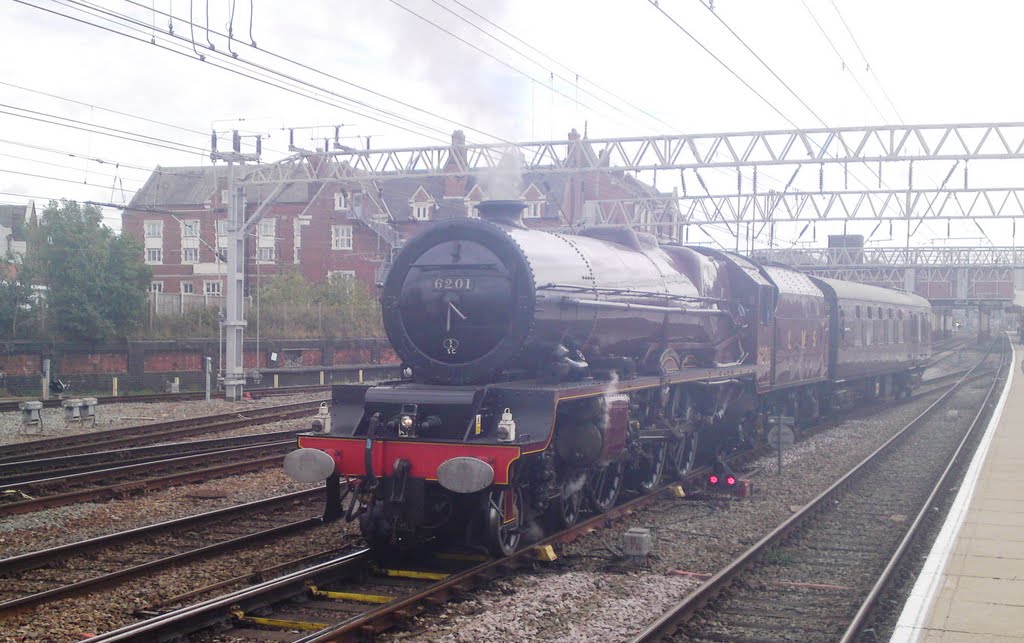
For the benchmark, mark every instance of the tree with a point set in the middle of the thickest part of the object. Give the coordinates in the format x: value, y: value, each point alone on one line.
x: 95, y: 279
x: 16, y: 301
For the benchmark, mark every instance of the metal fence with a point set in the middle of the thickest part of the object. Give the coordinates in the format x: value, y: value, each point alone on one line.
x: 173, y: 303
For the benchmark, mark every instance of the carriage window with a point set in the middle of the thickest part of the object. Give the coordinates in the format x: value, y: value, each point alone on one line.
x: 870, y: 312
x: 879, y: 312
x: 858, y: 312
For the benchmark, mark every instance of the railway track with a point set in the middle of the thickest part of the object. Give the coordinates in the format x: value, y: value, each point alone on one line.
x: 354, y: 599
x: 23, y: 471
x: 135, y: 436
x: 135, y: 478
x: 73, y: 569
x: 820, y: 574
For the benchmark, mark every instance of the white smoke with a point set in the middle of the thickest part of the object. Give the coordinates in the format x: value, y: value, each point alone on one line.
x: 505, y: 180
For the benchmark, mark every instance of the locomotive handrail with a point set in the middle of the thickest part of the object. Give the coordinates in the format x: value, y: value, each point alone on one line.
x: 629, y: 291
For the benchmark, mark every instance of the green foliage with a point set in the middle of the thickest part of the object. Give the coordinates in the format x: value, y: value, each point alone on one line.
x: 18, y: 311
x: 291, y: 306
x: 95, y: 280
x: 287, y: 306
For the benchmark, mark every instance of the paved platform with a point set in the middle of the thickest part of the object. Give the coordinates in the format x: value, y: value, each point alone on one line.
x: 972, y: 585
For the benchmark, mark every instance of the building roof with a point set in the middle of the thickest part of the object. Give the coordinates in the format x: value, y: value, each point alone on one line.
x: 177, y: 186
x: 13, y: 217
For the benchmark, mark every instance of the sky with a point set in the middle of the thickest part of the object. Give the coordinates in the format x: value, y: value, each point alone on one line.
x: 419, y: 69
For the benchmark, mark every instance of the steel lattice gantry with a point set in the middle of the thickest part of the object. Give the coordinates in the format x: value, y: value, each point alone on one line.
x: 951, y: 276
x: 856, y: 172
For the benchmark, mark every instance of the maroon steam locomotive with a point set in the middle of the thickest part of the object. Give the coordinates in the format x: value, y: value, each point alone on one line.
x: 550, y: 371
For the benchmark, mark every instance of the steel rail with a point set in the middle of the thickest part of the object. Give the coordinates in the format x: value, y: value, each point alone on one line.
x: 156, y: 431
x: 252, y: 460
x: 666, y: 625
x: 66, y: 591
x: 896, y: 561
x: 215, y: 610
x: 25, y: 470
x: 184, y: 621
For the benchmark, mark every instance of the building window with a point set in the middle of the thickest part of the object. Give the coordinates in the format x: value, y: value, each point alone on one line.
x: 266, y: 227
x: 154, y: 255
x: 533, y: 210
x: 471, y: 210
x: 211, y: 288
x: 421, y: 211
x: 266, y: 253
x: 156, y: 286
x: 341, y: 237
x: 222, y: 227
x: 190, y: 229
x: 340, y: 201
x: 190, y: 255
x: 154, y: 229
x: 188, y: 287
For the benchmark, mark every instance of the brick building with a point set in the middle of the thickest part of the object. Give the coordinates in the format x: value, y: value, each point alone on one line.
x: 330, y: 228
x: 13, y: 220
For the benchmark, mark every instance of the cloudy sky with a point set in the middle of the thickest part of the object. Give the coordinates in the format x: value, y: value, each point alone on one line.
x: 408, y: 72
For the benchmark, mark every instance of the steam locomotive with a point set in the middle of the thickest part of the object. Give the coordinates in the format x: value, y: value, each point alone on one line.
x: 548, y: 372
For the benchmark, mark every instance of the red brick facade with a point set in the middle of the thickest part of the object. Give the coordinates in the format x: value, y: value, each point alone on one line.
x: 170, y: 361
x: 322, y: 221
x: 20, y: 365
x: 88, y: 363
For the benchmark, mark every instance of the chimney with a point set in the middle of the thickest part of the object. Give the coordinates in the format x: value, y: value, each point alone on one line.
x: 455, y: 184
x: 503, y: 211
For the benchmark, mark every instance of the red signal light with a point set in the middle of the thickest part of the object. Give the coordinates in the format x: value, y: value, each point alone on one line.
x: 730, y: 480
x: 712, y: 479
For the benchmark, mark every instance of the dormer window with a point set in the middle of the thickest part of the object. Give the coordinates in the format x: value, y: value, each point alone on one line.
x: 421, y: 205
x: 535, y: 199
x: 421, y: 211
x: 340, y: 201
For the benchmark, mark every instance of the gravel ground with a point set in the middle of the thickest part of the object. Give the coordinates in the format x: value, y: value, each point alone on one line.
x: 60, y: 525
x: 845, y: 546
x: 694, y: 536
x: 77, y: 618
x: 114, y: 416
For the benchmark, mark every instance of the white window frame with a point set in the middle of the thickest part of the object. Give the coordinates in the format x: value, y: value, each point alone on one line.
x: 222, y: 227
x: 266, y: 223
x: 159, y: 258
x: 341, y: 237
x: 472, y: 211
x: 156, y: 286
x: 265, y: 254
x: 190, y: 286
x: 185, y: 259
x: 421, y: 211
x: 190, y: 229
x: 533, y: 209
x: 212, y: 288
x: 158, y: 226
x: 340, y: 202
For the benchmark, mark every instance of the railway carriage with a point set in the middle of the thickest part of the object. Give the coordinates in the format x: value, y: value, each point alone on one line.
x: 550, y: 371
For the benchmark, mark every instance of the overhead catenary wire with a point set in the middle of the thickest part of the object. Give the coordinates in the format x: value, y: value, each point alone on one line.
x: 35, y: 115
x: 870, y: 69
x: 846, y: 67
x: 320, y: 71
x: 541, y: 65
x: 763, y: 63
x: 563, y: 66
x: 261, y: 75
